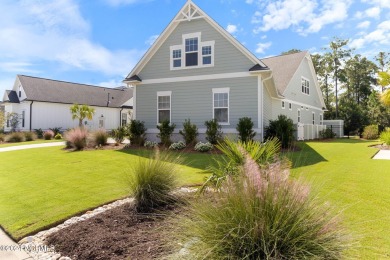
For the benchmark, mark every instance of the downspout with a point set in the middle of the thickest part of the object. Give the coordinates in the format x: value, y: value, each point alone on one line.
x: 262, y: 103
x: 120, y: 117
x: 31, y: 114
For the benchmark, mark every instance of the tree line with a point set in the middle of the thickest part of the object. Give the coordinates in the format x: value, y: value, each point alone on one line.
x: 355, y: 88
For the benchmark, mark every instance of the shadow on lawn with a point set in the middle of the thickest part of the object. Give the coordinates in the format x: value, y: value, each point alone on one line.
x: 194, y: 160
x: 305, y: 157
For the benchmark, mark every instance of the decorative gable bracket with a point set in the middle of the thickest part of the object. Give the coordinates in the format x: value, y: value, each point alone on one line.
x: 191, y: 12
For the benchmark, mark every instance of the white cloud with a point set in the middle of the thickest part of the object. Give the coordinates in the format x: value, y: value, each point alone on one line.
x: 249, y: 1
x: 231, y: 28
x: 116, y: 3
x: 305, y: 16
x: 379, y: 3
x: 381, y: 36
x: 373, y: 12
x: 112, y: 83
x: 364, y: 25
x: 262, y: 47
x: 17, y: 67
x: 152, y: 39
x: 32, y: 32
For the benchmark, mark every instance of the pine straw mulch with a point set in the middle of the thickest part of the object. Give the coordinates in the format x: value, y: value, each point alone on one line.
x: 119, y: 233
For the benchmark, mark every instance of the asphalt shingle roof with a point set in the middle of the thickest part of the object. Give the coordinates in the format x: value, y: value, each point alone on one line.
x: 284, y: 68
x: 54, y: 91
x: 12, y: 96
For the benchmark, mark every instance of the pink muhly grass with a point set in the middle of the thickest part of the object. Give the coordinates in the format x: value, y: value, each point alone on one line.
x: 77, y: 138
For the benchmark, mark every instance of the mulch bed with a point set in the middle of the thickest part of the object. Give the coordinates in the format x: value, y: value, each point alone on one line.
x: 118, y: 233
x: 381, y: 146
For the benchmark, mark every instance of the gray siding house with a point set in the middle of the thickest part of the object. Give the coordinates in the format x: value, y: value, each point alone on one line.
x: 197, y: 70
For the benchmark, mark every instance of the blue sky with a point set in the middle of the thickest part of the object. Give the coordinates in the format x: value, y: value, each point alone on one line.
x: 98, y: 42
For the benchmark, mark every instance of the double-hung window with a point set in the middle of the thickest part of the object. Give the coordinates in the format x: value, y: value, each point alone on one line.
x: 164, y: 106
x: 124, y: 119
x: 299, y: 116
x: 23, y: 117
x: 283, y: 105
x: 192, y: 52
x: 321, y: 119
x: 314, y: 118
x: 305, y: 86
x: 221, y: 105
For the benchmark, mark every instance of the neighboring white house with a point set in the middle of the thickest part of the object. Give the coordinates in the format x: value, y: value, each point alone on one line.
x: 197, y: 70
x: 45, y: 103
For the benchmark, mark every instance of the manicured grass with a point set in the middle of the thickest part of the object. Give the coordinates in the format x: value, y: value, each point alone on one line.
x: 354, y: 183
x: 40, y: 141
x: 49, y: 185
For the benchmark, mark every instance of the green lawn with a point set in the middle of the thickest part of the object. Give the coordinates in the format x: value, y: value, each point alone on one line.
x: 40, y: 141
x: 49, y: 185
x: 45, y: 186
x: 354, y: 183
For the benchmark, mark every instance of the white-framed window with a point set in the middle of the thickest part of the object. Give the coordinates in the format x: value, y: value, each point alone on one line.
x: 321, y: 119
x: 192, y: 53
x: 163, y: 106
x: 176, y: 58
x: 124, y: 119
x: 299, y: 116
x: 283, y: 105
x: 290, y: 106
x: 305, y: 86
x: 221, y: 105
x: 314, y: 118
x: 23, y: 118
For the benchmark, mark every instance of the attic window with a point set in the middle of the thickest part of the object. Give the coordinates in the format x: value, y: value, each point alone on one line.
x: 305, y: 86
x: 192, y: 53
x: 20, y: 91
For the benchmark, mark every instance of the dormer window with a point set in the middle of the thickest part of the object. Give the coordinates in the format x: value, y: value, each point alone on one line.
x: 192, y: 53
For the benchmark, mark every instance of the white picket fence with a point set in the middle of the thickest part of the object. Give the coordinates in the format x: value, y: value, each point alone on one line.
x: 309, y: 131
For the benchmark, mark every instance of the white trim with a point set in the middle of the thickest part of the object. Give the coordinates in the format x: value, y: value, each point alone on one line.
x: 222, y: 91
x: 313, y: 118
x: 308, y: 88
x: 165, y: 94
x: 321, y: 119
x: 200, y: 77
x: 283, y: 104
x: 299, y: 104
x: 172, y: 26
x: 135, y: 102
x: 299, y: 116
x: 316, y: 84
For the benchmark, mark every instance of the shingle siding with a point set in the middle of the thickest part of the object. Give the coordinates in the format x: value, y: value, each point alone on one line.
x: 227, y: 58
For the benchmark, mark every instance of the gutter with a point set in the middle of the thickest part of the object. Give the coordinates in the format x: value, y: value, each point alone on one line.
x: 31, y: 114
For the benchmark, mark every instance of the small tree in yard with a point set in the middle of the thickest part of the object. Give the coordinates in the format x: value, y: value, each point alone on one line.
x: 166, y: 130
x: 81, y: 112
x: 13, y: 119
x: 137, y: 132
x: 213, y: 132
x: 189, y: 132
x: 245, y: 129
x: 283, y: 129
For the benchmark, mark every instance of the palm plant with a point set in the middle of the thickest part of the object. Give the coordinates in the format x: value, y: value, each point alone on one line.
x: 81, y: 112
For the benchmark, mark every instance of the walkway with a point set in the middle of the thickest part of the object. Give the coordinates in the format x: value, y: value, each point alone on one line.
x: 30, y: 146
x: 382, y: 155
x: 9, y: 250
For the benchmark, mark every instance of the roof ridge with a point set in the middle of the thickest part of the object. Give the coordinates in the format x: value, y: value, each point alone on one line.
x: 287, y: 54
x: 63, y: 81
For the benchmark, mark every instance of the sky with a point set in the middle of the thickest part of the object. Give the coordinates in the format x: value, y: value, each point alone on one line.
x: 98, y: 42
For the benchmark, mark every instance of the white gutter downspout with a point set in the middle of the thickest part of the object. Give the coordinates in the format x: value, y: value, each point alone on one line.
x: 262, y: 104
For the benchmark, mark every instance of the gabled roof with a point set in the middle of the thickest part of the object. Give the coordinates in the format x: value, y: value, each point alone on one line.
x: 54, y: 91
x: 190, y: 11
x: 11, y: 96
x: 284, y: 68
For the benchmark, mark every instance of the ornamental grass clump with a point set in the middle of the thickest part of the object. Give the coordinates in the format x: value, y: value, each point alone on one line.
x: 100, y: 137
x: 152, y: 181
x: 262, y: 214
x: 371, y: 132
x: 76, y: 138
x: 30, y: 136
x: 48, y: 134
x: 15, y: 137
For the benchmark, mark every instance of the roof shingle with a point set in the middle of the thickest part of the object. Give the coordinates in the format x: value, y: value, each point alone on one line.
x: 47, y: 90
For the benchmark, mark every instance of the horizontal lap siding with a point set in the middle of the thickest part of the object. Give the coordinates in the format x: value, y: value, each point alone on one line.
x: 194, y: 100
x: 227, y: 58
